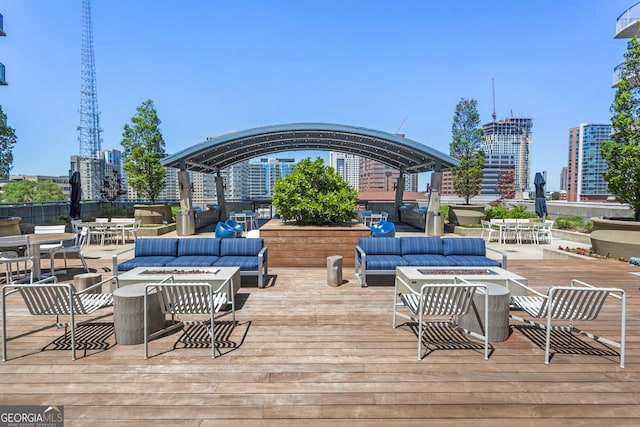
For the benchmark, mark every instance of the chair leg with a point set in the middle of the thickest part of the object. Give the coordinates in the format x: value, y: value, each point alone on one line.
x: 84, y: 262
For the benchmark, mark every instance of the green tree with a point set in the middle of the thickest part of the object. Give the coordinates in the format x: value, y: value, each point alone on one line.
x: 314, y: 194
x: 143, y: 149
x: 622, y: 153
x: 31, y: 191
x: 7, y: 142
x: 466, y: 146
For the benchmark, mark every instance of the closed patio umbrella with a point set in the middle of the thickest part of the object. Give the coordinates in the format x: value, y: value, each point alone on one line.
x: 541, y: 201
x: 76, y: 194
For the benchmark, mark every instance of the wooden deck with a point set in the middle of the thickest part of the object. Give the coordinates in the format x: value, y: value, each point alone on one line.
x: 305, y: 353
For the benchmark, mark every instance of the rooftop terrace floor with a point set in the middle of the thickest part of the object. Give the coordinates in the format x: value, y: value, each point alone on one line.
x: 304, y: 353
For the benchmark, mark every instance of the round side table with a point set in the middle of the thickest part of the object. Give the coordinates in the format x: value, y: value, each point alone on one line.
x: 499, y: 298
x: 128, y: 313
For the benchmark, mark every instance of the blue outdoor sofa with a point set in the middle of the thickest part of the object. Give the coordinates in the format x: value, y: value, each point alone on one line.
x: 248, y: 254
x: 381, y: 255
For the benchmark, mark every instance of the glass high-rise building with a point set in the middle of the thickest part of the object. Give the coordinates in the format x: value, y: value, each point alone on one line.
x: 511, y: 136
x: 586, y: 165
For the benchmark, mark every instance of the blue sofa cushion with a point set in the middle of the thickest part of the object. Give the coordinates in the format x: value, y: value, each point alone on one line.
x: 384, y: 262
x: 166, y: 246
x: 193, y: 261
x: 246, y: 263
x: 421, y: 245
x: 464, y: 246
x: 241, y: 247
x: 145, y: 261
x: 201, y: 246
x: 427, y: 260
x: 380, y: 246
x: 473, y: 261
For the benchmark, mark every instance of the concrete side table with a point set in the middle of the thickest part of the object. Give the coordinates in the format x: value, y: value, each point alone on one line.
x: 334, y: 270
x: 128, y: 314
x: 86, y: 280
x: 499, y: 298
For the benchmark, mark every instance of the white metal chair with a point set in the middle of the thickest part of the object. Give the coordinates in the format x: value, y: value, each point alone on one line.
x: 76, y: 248
x: 374, y: 218
x: 55, y: 299
x: 46, y: 248
x: 510, y: 231
x: 544, y: 232
x: 489, y: 229
x: 132, y: 230
x: 578, y: 302
x: 188, y: 298
x: 241, y: 218
x: 442, y: 299
x: 18, y: 251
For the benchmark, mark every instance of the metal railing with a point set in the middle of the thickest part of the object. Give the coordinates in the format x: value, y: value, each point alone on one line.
x: 628, y: 17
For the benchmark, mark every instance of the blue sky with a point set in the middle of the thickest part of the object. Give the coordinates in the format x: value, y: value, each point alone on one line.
x: 212, y: 67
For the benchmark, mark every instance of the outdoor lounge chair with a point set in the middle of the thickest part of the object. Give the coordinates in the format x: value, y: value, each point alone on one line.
x: 443, y: 299
x: 188, y: 298
x: 55, y: 299
x: 578, y: 302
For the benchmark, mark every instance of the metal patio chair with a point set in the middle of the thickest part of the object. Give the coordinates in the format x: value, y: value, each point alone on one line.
x: 578, y: 302
x: 49, y: 298
x: 185, y: 299
x: 442, y: 299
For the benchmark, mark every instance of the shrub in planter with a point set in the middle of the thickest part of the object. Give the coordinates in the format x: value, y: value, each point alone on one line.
x: 314, y: 194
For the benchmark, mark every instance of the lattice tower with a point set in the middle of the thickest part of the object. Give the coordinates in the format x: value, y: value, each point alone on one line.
x: 90, y: 141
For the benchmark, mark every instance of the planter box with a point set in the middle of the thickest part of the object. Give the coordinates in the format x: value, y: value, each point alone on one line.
x: 309, y: 245
x: 156, y: 231
x: 618, y: 238
x: 466, y: 214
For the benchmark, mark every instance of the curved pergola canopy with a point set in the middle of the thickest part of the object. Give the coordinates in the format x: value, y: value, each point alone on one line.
x: 401, y: 153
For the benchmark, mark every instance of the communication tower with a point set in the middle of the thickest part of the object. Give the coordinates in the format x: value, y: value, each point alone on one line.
x: 91, y: 165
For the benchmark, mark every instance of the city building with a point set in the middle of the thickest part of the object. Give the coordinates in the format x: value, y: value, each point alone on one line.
x: 564, y: 174
x: 585, y: 164
x: 264, y: 173
x: 498, y: 171
x: 511, y: 137
x: 376, y: 176
x: 347, y: 166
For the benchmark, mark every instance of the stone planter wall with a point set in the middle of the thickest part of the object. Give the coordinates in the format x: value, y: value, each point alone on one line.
x: 153, y: 214
x: 618, y: 238
x: 10, y: 226
x: 466, y: 214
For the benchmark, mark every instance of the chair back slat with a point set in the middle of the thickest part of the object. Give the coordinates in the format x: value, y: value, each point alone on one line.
x: 185, y: 298
x: 577, y: 304
x: 46, y: 300
x: 447, y: 300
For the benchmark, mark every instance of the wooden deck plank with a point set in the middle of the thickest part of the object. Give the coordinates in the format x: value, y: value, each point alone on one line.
x: 305, y: 353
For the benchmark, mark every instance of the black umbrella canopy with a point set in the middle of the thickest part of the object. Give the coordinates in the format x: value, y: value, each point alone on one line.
x: 76, y: 194
x: 539, y: 182
x: 541, y: 201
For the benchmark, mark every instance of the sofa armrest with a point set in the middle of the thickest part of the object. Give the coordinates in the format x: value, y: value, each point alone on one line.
x: 115, y: 259
x: 360, y: 266
x: 504, y: 256
x: 264, y: 261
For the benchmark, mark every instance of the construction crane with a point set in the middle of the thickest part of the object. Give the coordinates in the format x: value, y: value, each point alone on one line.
x: 401, y: 124
x: 493, y: 95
